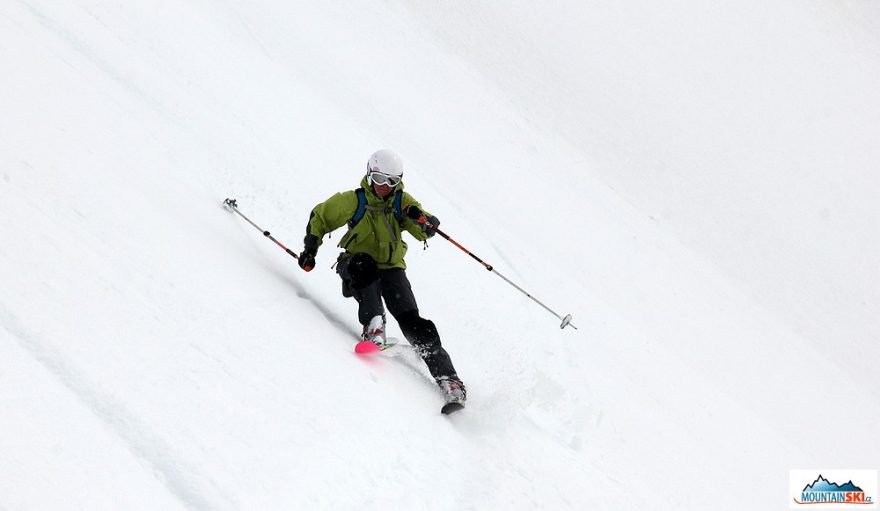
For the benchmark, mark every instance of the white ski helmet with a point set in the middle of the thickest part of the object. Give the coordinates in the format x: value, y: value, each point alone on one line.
x: 385, y: 162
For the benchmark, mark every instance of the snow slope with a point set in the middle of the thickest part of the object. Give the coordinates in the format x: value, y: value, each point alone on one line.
x: 696, y: 183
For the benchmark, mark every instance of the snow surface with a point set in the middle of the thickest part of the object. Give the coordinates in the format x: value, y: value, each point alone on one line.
x: 696, y: 182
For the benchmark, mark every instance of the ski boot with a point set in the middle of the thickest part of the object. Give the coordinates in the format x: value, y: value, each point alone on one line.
x: 374, y: 332
x: 454, y: 393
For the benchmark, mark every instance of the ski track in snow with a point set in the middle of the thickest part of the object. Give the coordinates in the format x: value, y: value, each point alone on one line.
x: 183, y: 481
x: 270, y: 265
x: 107, y: 68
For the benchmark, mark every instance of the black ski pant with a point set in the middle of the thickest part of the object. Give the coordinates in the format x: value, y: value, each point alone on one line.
x: 370, y: 285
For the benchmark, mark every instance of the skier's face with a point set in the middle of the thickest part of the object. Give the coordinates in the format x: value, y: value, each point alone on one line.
x: 382, y: 190
x: 383, y: 184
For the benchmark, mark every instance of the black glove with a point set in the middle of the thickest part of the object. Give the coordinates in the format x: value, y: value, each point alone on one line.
x: 417, y: 215
x: 431, y: 227
x: 414, y: 213
x: 307, y: 258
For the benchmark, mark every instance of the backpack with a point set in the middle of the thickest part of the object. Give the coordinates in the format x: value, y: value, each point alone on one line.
x: 363, y: 207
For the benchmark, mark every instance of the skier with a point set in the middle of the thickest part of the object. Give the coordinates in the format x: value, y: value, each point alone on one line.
x: 371, y: 265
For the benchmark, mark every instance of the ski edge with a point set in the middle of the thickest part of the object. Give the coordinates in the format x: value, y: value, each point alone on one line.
x: 453, y: 407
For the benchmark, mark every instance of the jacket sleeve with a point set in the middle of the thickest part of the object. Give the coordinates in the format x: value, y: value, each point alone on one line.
x: 411, y: 225
x: 328, y: 216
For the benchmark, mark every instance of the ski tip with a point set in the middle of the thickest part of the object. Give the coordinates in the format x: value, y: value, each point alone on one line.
x: 366, y: 347
x: 451, y: 407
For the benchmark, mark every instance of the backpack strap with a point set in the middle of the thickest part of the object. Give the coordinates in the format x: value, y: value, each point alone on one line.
x: 398, y: 201
x: 361, y: 207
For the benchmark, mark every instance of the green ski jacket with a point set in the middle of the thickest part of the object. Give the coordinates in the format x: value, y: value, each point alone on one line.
x: 378, y: 233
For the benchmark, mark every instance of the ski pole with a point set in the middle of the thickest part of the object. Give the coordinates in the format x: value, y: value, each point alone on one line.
x: 566, y: 321
x: 231, y: 205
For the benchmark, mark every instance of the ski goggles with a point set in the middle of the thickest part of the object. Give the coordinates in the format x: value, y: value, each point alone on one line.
x: 384, y: 179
